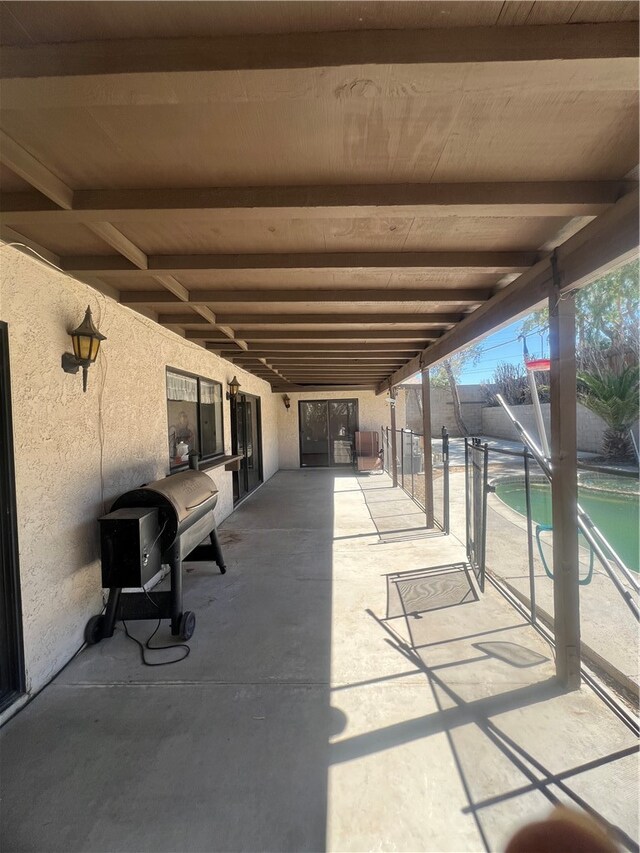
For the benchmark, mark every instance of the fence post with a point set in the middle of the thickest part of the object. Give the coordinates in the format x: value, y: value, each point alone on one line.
x: 394, y: 446
x: 402, y: 458
x: 412, y: 463
x: 532, y: 580
x: 467, y: 498
x: 485, y: 489
x: 445, y: 481
x: 428, y: 454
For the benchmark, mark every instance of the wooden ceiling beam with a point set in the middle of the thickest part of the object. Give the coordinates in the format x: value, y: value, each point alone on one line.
x: 318, y: 350
x: 495, y: 262
x: 20, y: 161
x: 609, y: 241
x: 344, y: 351
x: 292, y: 387
x: 197, y: 298
x: 332, y: 336
x: 35, y: 173
x: 265, y: 297
x: 413, y: 319
x: 166, y: 206
x: 117, y: 240
x: 295, y: 51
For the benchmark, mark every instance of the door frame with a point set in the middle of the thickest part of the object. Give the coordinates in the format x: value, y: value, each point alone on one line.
x: 234, y: 443
x: 327, y: 401
x: 10, y: 603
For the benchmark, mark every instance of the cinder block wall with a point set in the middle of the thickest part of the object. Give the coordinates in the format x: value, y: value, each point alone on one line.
x: 442, y: 414
x: 590, y: 428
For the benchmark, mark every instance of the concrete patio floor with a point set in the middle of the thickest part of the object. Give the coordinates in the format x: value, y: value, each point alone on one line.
x: 348, y: 688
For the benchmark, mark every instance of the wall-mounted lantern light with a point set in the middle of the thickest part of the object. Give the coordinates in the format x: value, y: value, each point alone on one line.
x: 234, y: 387
x: 287, y: 401
x: 86, y: 344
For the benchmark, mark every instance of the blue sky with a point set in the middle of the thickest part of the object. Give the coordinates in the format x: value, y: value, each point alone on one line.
x: 502, y: 346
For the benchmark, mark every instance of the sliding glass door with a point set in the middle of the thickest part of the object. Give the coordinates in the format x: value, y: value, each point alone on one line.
x: 247, y: 439
x: 11, y: 659
x: 327, y: 432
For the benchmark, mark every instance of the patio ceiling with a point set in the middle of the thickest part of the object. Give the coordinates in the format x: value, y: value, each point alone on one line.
x: 329, y: 194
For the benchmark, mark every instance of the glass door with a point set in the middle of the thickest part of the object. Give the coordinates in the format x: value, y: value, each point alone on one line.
x: 11, y: 657
x: 247, y: 439
x: 327, y: 432
x: 343, y: 423
x: 314, y: 433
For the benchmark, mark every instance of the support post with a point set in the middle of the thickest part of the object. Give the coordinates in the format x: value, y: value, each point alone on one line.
x: 394, y: 444
x: 564, y: 486
x: 428, y: 455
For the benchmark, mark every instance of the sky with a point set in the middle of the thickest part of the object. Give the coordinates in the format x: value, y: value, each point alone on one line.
x: 502, y: 346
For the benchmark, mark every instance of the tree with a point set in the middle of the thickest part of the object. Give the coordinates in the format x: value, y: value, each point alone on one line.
x: 615, y: 398
x: 607, y: 321
x: 447, y: 374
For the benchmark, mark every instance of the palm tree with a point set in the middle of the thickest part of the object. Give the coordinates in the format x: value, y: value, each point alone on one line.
x: 615, y: 398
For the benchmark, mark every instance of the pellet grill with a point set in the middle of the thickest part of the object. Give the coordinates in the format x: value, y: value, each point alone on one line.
x: 161, y: 523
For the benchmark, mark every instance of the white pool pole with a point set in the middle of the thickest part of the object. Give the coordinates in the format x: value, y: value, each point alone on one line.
x: 537, y: 411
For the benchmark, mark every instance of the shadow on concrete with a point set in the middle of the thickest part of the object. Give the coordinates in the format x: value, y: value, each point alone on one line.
x: 225, y: 751
x: 396, y: 515
x: 478, y: 728
x: 410, y: 594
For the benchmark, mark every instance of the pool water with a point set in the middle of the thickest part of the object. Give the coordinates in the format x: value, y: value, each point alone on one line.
x: 616, y: 515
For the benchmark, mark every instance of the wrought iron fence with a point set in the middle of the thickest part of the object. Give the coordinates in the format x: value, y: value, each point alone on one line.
x: 410, y: 468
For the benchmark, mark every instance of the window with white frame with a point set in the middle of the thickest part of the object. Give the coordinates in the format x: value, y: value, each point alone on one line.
x: 194, y: 411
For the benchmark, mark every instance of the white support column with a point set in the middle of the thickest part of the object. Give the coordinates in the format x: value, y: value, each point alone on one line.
x: 428, y: 457
x: 564, y: 488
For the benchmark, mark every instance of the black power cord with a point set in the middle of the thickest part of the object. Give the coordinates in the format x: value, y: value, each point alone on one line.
x: 147, y: 643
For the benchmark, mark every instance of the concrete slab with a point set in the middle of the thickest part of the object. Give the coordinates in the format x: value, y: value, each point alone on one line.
x: 343, y: 692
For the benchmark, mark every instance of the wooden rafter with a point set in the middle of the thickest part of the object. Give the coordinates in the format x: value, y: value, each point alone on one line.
x: 554, y: 198
x: 413, y: 319
x: 343, y: 295
x: 495, y: 262
x: 459, y: 45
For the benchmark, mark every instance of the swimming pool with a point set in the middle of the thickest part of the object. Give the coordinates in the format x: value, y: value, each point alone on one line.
x: 612, y: 504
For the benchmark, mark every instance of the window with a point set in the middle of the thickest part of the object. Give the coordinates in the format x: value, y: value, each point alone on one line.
x: 194, y: 410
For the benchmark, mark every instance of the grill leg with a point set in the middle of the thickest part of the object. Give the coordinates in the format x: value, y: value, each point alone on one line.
x: 217, y: 551
x: 176, y: 589
x: 111, y: 613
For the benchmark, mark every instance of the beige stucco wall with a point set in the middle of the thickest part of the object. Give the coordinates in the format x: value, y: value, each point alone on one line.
x: 58, y: 432
x: 373, y: 412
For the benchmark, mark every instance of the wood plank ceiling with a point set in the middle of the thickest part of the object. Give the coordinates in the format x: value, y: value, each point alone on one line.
x: 315, y: 190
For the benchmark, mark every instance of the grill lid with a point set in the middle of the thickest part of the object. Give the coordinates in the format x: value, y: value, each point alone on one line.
x: 186, y: 491
x: 182, y: 499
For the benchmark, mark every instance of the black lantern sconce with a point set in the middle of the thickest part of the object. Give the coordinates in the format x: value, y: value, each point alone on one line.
x: 86, y: 344
x: 234, y: 387
x: 287, y: 401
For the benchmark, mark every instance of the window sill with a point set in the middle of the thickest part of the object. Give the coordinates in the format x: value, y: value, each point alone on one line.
x: 231, y: 463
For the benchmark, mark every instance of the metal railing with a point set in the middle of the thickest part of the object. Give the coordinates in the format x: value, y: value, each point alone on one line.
x: 410, y: 469
x: 508, y: 532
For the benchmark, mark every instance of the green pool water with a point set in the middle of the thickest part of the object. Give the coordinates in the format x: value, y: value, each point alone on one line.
x: 617, y: 515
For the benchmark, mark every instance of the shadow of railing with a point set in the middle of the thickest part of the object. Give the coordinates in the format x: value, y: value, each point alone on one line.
x: 470, y: 724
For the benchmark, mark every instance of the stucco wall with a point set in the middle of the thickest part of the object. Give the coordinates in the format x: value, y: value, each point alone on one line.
x: 58, y: 432
x: 373, y: 412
